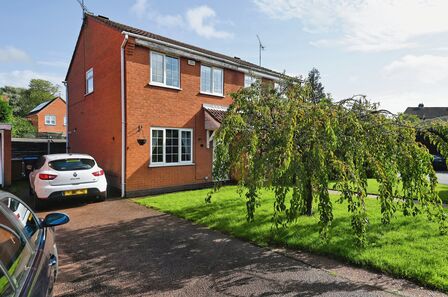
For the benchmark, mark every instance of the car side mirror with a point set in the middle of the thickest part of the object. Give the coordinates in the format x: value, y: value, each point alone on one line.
x: 55, y: 219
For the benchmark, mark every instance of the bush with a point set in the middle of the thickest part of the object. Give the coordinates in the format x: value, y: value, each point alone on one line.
x: 5, y: 111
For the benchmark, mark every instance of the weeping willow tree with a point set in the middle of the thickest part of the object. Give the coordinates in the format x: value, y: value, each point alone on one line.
x: 288, y: 142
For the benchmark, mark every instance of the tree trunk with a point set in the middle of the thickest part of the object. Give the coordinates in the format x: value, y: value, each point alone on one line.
x: 309, y: 199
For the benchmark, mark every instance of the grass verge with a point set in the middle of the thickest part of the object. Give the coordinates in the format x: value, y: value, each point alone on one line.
x: 410, y: 247
x: 372, y: 188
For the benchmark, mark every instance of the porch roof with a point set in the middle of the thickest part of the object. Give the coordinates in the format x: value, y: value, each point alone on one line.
x: 217, y: 112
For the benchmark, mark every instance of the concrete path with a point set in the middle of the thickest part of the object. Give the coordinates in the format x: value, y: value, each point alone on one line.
x: 118, y: 248
x: 442, y: 177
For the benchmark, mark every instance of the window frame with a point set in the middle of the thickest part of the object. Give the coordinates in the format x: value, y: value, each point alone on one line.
x: 90, y: 70
x: 65, y: 120
x: 164, y: 163
x: 48, y: 123
x: 254, y: 79
x: 212, y: 83
x: 163, y: 84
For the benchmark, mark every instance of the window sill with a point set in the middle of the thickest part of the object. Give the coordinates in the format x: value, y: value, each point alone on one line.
x: 164, y: 86
x: 211, y: 94
x: 50, y: 125
x: 87, y: 94
x: 170, y: 165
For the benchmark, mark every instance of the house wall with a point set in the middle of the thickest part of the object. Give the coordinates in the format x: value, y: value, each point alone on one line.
x: 152, y: 106
x: 94, y: 120
x: 57, y: 108
x: 34, y: 120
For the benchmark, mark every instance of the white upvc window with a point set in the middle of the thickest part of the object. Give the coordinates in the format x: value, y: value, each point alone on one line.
x: 249, y: 80
x: 65, y: 120
x: 50, y: 120
x: 171, y: 146
x: 165, y: 70
x: 212, y: 80
x: 89, y: 81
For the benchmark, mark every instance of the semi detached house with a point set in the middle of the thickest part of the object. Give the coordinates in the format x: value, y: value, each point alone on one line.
x: 146, y: 106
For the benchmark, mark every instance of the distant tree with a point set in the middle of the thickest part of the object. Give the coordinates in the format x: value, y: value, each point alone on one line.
x: 39, y: 90
x: 317, y: 93
x: 21, y: 127
x: 5, y: 112
x: 14, y: 96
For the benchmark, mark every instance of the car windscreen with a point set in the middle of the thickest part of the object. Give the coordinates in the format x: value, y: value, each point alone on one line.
x: 71, y: 164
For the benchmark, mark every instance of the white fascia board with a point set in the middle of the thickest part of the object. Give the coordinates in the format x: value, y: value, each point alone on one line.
x: 176, y: 50
x: 5, y: 126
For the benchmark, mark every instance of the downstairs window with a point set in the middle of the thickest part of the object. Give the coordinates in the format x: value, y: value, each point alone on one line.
x: 171, y: 146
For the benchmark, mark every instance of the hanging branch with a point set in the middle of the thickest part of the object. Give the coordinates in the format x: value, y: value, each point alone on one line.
x: 295, y: 145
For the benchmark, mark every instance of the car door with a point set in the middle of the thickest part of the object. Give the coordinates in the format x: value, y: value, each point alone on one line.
x: 16, y: 252
x: 39, y: 272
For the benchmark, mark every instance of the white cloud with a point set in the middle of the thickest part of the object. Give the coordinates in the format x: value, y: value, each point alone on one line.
x: 11, y: 54
x: 139, y: 8
x: 364, y: 25
x: 61, y: 64
x: 169, y: 20
x: 426, y: 69
x: 21, y: 78
x: 398, y: 101
x: 202, y: 20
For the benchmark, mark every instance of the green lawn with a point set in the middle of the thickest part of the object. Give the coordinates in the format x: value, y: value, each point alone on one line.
x: 409, y: 247
x: 372, y: 188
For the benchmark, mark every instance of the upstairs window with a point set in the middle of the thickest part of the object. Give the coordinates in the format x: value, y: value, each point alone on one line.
x: 50, y: 120
x: 249, y: 80
x: 165, y: 70
x: 212, y: 80
x: 89, y: 81
x: 65, y: 121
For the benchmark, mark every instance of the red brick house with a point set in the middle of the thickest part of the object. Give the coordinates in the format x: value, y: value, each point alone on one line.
x: 145, y: 106
x: 49, y: 116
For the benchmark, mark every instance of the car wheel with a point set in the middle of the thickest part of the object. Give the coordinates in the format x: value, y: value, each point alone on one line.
x: 37, y: 203
x: 102, y: 197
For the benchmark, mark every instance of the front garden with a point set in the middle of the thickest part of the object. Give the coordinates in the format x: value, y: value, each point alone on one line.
x: 410, y: 247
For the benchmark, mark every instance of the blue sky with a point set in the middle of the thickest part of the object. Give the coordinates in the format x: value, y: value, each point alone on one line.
x: 393, y: 51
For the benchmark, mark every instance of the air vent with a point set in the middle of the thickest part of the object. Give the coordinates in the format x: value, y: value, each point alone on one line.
x: 191, y: 62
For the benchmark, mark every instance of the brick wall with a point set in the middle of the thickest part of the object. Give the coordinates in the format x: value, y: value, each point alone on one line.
x: 94, y: 120
x: 152, y: 106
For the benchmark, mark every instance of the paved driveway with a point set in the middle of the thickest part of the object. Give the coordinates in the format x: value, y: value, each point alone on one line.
x: 118, y: 248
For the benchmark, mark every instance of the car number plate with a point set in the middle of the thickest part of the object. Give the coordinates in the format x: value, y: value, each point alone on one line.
x: 75, y: 192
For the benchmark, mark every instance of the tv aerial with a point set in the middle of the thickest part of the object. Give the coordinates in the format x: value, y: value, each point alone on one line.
x: 260, y: 49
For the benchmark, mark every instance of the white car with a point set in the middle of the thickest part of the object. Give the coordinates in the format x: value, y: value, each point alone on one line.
x: 67, y: 176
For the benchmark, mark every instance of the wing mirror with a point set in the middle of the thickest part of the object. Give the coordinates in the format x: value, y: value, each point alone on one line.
x: 55, y: 219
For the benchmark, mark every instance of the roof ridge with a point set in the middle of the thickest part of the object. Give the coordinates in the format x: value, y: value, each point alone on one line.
x: 124, y: 27
x: 39, y: 107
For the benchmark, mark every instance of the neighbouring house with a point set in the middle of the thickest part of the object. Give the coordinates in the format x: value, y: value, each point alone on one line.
x: 49, y: 117
x: 427, y: 113
x: 146, y: 106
